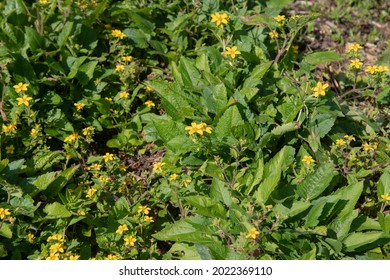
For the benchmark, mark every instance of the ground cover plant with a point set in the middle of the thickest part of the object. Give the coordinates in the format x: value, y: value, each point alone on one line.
x: 177, y: 129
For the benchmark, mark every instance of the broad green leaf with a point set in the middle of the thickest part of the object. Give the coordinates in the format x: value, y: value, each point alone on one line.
x: 321, y: 210
x: 62, y: 179
x: 315, y: 183
x: 97, y: 11
x: 296, y: 208
x: 384, y: 58
x: 221, y: 192
x: 189, y: 73
x: 34, y: 39
x: 11, y: 189
x: 322, y: 57
x: 384, y: 184
x: 216, y: 100
x: 256, y: 75
x: 206, y: 206
x: 260, y: 20
x: 86, y: 71
x: 351, y: 194
x: 137, y: 37
x: 64, y: 34
x: 121, y: 208
x: 44, y: 180
x: 167, y: 129
x: 284, y: 128
x: 231, y: 118
x: 3, y: 251
x: 3, y: 164
x: 56, y: 210
x: 384, y: 221
x: 74, y: 64
x: 183, y: 231
x: 5, y: 230
x: 363, y: 241
x: 41, y: 161
x: 184, y: 251
x: 142, y: 23
x: 24, y: 205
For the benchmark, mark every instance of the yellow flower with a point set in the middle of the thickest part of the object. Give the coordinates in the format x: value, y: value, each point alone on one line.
x: 43, y: 1
x: 30, y: 237
x: 354, y: 48
x: 308, y: 160
x: 57, y: 237
x: 205, y: 128
x: 382, y: 69
x: 113, y: 257
x: 119, y: 68
x: 356, y: 63
x: 220, y: 18
x: 104, y: 179
x: 253, y: 233
x: 295, y: 17
x: 71, y: 138
x: 367, y: 147
x: 273, y: 34
x: 232, y: 52
x: 109, y: 99
x: 371, y: 69
x: 53, y: 257
x: 385, y: 197
x: 280, y: 18
x: 88, y: 131
x: 56, y: 248
x: 118, y: 34
x: 150, y: 103
x: 148, y: 219
x: 148, y: 89
x: 10, y: 149
x: 185, y: 182
x: 123, y: 94
x: 194, y: 128
x: 74, y: 257
x: 20, y: 87
x: 122, y: 168
x: 319, y: 89
x: 121, y: 229
x: 95, y: 166
x: 127, y: 58
x: 130, y: 240
x: 79, y: 106
x: 9, y: 128
x: 349, y: 137
x: 143, y: 209
x: 158, y: 166
x: 108, y: 157
x: 34, y: 132
x: 295, y: 49
x: 340, y: 142
x: 173, y: 177
x: 91, y: 192
x: 81, y: 213
x: 4, y: 212
x: 24, y: 100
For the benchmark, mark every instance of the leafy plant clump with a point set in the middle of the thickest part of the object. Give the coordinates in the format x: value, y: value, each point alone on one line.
x: 187, y: 130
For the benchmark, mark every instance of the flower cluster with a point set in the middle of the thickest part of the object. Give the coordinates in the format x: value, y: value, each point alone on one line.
x: 375, y: 69
x: 118, y: 34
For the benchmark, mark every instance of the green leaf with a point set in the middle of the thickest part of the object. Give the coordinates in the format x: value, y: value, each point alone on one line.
x: 86, y: 71
x: 206, y: 206
x: 260, y: 20
x: 184, y: 251
x: 230, y: 119
x: 64, y: 34
x: 41, y: 161
x: 5, y: 230
x: 322, y: 57
x: 11, y: 189
x: 256, y: 75
x: 364, y: 241
x: 296, y: 208
x: 384, y: 184
x: 351, y: 194
x: 284, y: 128
x: 384, y: 221
x: 315, y: 183
x: 97, y: 11
x: 3, y: 251
x: 221, y: 192
x: 33, y: 39
x: 137, y: 37
x: 56, y: 210
x: 24, y: 206
x: 44, y: 180
x: 121, y: 208
x: 142, y: 23
x: 61, y: 181
x: 189, y: 73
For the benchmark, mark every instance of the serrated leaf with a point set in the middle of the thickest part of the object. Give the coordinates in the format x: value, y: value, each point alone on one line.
x: 60, y: 182
x: 64, y: 34
x: 44, y: 180
x: 56, y: 210
x: 315, y: 183
x: 12, y: 190
x: 364, y: 241
x: 206, y: 206
x: 5, y: 230
x: 230, y: 119
x: 256, y: 75
x: 86, y: 71
x: 33, y: 39
x: 384, y: 184
x: 221, y: 192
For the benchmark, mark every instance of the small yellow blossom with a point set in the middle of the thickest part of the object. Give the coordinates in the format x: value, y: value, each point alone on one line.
x: 143, y: 209
x: 79, y: 106
x: 295, y: 49
x: 9, y: 128
x: 148, y: 89
x: 319, y: 89
x: 43, y: 1
x: 91, y: 192
x: 233, y: 52
x: 109, y: 99
x: 30, y: 237
x: 206, y: 128
x: 173, y: 177
x: 119, y: 67
x: 382, y: 69
x: 95, y: 166
x: 107, y: 157
x: 57, y: 237
x: 34, y: 132
x: 71, y: 138
x: 20, y: 87
x: 53, y: 257
x: 308, y: 160
x: 10, y: 149
x: 340, y: 142
x: 124, y: 94
x: 148, y: 219
x: 185, y: 182
x: 56, y: 248
x: 356, y: 63
x: 253, y: 233
x: 122, y: 168
x: 150, y: 103
x: 74, y: 257
x: 4, y: 212
x: 273, y: 34
x: 194, y: 128
x: 371, y: 69
x: 118, y: 34
x: 127, y: 58
x: 367, y: 147
x: 88, y: 131
x: 121, y: 229
x: 220, y: 19
x: 81, y: 213
x: 280, y: 18
x: 113, y: 257
x: 354, y: 48
x: 349, y: 137
x: 295, y: 17
x: 130, y: 240
x: 158, y: 166
x: 385, y: 197
x: 25, y: 100
x: 104, y: 179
